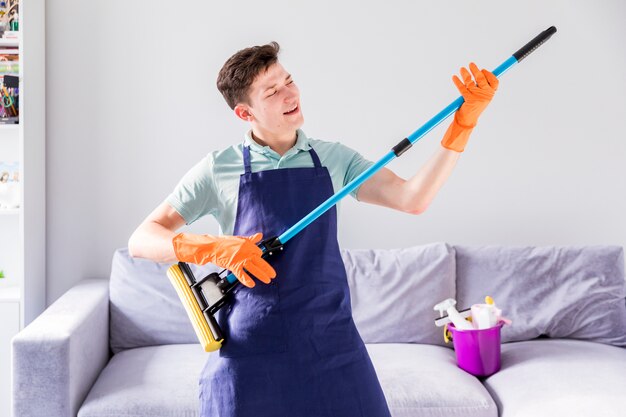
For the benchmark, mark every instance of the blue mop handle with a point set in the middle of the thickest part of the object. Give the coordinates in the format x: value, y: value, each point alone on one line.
x: 410, y: 140
x: 406, y: 143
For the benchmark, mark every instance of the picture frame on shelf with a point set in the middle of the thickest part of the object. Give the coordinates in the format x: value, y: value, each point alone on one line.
x: 10, y: 193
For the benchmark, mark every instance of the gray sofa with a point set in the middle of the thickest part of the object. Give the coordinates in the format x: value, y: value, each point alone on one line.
x: 124, y: 346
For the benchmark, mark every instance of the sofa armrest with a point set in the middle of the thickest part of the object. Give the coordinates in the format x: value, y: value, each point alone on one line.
x: 57, y: 358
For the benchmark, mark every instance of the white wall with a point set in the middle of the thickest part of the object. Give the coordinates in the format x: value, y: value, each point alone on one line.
x: 132, y: 104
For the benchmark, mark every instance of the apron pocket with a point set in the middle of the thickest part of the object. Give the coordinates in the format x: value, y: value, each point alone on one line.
x: 253, y: 323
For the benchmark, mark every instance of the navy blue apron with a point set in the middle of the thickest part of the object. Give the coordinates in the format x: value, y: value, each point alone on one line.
x: 292, y: 349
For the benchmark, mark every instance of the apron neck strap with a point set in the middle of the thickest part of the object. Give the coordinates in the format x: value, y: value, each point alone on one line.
x: 316, y: 159
x: 246, y: 159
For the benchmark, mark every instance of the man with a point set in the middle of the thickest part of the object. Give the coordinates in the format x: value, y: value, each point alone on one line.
x: 291, y: 346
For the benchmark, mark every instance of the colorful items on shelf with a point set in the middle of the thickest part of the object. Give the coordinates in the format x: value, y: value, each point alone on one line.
x: 9, y: 61
x: 9, y: 93
x: 9, y: 15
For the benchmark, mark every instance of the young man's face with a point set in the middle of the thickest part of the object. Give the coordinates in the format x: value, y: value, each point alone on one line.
x: 274, y: 105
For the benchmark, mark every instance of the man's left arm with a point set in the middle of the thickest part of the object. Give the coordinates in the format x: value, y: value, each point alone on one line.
x: 414, y: 195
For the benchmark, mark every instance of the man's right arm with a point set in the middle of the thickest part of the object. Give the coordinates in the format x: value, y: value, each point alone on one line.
x: 156, y: 239
x: 153, y: 238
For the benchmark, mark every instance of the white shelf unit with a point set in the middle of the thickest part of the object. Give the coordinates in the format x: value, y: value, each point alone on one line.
x: 22, y: 230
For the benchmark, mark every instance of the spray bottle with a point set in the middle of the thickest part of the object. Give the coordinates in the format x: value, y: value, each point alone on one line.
x: 453, y: 315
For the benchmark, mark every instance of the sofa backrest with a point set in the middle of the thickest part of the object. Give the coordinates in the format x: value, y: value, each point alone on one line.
x: 559, y: 292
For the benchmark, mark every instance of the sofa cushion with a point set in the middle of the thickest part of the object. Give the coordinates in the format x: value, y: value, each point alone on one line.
x: 423, y: 380
x: 560, y: 292
x: 149, y: 381
x: 393, y: 291
x: 145, y: 309
x: 418, y: 380
x: 552, y: 377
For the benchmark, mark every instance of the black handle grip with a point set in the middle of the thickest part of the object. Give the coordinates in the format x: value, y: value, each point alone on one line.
x: 215, y: 329
x: 534, y: 44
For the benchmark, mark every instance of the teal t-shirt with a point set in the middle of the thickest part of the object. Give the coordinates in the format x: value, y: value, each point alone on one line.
x: 212, y: 185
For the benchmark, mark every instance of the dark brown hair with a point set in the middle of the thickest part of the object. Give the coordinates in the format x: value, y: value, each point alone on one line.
x: 240, y: 70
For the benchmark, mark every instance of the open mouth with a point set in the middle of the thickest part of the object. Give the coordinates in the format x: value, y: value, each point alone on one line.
x: 292, y: 111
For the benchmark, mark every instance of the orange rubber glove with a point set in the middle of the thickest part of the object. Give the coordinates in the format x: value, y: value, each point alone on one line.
x: 477, y: 95
x: 235, y: 253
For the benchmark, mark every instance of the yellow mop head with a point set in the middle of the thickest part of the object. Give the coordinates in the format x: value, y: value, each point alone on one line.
x: 199, y: 322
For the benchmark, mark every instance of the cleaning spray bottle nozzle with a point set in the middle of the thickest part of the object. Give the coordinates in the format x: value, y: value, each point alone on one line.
x: 445, y: 305
x: 454, y: 316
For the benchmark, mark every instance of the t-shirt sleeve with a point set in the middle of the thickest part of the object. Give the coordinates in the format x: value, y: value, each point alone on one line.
x: 194, y: 196
x: 356, y: 165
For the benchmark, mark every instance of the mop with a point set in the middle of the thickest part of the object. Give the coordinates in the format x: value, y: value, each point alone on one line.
x: 203, y: 298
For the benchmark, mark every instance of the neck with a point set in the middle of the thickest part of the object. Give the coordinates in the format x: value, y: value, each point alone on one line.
x: 279, y: 144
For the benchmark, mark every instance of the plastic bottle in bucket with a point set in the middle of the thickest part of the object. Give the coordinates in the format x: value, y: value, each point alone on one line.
x: 485, y: 315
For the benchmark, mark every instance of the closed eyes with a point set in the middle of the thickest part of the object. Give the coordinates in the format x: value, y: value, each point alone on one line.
x: 276, y: 91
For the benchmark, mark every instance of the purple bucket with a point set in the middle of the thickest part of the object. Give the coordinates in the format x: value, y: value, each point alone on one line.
x: 477, y: 351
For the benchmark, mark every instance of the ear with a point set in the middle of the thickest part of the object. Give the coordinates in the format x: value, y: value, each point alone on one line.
x: 243, y: 112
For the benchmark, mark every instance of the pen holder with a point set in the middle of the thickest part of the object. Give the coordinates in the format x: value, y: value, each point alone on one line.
x: 477, y: 351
